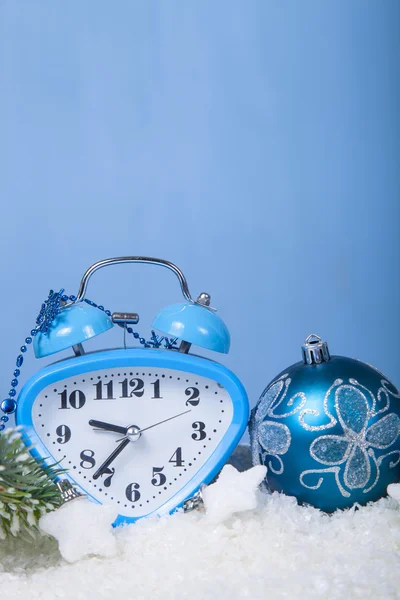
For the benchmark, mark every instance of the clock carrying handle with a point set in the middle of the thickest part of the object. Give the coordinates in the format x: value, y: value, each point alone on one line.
x: 134, y: 259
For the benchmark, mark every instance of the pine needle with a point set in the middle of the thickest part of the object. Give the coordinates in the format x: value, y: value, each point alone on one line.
x: 27, y: 487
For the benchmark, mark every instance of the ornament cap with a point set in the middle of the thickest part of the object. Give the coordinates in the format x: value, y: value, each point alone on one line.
x: 315, y: 351
x: 67, y: 491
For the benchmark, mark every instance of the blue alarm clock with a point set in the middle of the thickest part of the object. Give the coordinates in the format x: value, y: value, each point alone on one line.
x: 139, y: 428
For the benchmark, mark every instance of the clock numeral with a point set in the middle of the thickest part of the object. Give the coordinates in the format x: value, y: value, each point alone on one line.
x: 177, y: 458
x: 76, y: 399
x: 65, y: 434
x: 110, y: 473
x: 136, y: 384
x: 99, y: 390
x: 199, y: 433
x: 64, y: 403
x: 156, y: 389
x: 158, y: 477
x: 132, y: 492
x: 194, y: 394
x: 87, y: 457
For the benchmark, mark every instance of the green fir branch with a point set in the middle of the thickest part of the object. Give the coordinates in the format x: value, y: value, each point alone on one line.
x: 27, y: 487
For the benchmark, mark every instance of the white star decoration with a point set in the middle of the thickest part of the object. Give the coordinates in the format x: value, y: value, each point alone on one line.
x: 75, y: 542
x: 394, y: 491
x: 233, y: 492
x: 83, y: 528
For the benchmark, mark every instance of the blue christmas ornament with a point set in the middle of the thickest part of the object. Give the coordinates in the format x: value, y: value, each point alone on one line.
x: 328, y: 430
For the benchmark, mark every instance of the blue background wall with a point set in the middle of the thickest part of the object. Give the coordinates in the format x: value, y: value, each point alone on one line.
x: 256, y: 144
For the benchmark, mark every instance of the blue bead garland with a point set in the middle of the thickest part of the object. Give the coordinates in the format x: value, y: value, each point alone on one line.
x: 48, y: 312
x: 8, y: 406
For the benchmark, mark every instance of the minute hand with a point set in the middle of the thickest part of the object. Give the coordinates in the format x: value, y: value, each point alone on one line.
x: 112, y: 457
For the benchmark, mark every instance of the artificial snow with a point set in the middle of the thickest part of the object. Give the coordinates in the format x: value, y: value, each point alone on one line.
x: 278, y: 550
x: 82, y: 528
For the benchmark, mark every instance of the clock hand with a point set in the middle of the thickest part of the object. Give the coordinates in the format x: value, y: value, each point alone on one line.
x: 125, y: 440
x: 111, y: 458
x: 159, y: 423
x: 108, y: 426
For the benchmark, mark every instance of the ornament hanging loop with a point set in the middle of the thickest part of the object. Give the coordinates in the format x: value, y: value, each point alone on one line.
x: 315, y: 351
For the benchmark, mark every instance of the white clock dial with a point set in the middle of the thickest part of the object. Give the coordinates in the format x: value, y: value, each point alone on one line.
x: 179, y: 419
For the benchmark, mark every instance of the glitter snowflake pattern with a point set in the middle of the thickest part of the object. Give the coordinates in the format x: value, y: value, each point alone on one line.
x: 271, y: 439
x: 351, y: 456
x: 274, y: 439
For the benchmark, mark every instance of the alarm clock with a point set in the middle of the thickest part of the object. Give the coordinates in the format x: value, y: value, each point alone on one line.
x: 139, y: 428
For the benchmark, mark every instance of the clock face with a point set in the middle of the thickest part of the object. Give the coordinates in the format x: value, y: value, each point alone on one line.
x: 132, y: 437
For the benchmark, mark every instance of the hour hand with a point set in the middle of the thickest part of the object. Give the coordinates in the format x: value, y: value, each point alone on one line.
x: 108, y: 426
